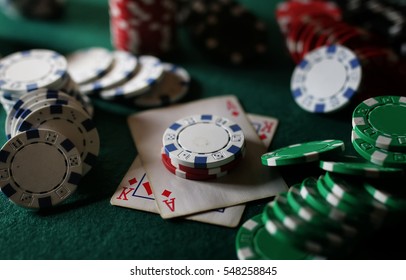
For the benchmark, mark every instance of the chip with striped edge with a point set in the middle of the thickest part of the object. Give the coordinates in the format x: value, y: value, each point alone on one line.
x: 326, y: 79
x: 29, y: 70
x: 77, y: 126
x: 376, y: 155
x: 39, y: 168
x: 303, y: 153
x: 203, y: 141
x: 377, y: 120
x: 253, y: 242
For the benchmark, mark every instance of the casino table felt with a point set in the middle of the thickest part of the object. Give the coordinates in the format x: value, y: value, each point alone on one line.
x: 87, y: 226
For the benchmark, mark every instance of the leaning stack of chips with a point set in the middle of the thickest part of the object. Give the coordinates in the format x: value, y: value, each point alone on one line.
x: 322, y: 218
x: 202, y: 147
x: 52, y: 140
x: 120, y: 76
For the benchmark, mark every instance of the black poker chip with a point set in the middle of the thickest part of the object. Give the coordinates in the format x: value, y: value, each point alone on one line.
x: 227, y: 31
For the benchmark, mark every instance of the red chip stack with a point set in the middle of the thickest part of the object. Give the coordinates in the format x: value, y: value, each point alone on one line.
x: 143, y: 26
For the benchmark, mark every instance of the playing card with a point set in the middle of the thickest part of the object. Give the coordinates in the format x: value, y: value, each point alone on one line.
x: 135, y: 190
x: 179, y: 197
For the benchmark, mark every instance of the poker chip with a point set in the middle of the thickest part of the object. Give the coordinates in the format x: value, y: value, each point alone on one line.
x: 149, y: 73
x: 360, y: 168
x: 73, y: 123
x: 393, y: 196
x: 376, y: 155
x: 173, y: 86
x: 29, y: 70
x: 308, y: 214
x: 281, y: 209
x: 190, y: 176
x: 203, y: 141
x: 253, y: 242
x: 40, y: 168
x: 376, y: 120
x: 302, y: 153
x: 326, y: 79
x: 89, y: 64
x: 124, y: 66
x: 143, y: 27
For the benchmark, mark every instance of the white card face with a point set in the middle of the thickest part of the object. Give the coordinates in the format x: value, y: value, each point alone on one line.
x: 135, y: 191
x: 180, y: 197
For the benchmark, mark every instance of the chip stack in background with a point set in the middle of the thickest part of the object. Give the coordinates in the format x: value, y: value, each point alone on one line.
x: 52, y: 140
x: 336, y: 62
x: 120, y: 76
x: 227, y: 32
x: 202, y: 147
x: 143, y: 27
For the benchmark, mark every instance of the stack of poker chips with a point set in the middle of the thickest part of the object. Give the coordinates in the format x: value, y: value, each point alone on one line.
x: 202, y: 147
x: 386, y: 18
x: 52, y: 140
x: 143, y: 27
x: 379, y: 131
x: 325, y: 217
x: 226, y: 31
x: 119, y: 76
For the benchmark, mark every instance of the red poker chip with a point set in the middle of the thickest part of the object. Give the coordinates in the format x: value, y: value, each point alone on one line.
x: 189, y: 176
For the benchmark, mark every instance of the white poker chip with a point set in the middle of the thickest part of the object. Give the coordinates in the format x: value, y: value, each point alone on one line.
x: 124, y: 66
x: 203, y: 141
x: 87, y: 65
x: 37, y: 103
x: 30, y: 70
x: 39, y: 168
x: 326, y: 79
x: 171, y: 88
x: 150, y: 71
x: 72, y: 123
x: 22, y: 107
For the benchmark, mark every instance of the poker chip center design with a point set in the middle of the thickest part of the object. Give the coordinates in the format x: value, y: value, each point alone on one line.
x: 203, y: 138
x: 331, y: 84
x: 24, y: 70
x: 39, y: 160
x: 388, y: 119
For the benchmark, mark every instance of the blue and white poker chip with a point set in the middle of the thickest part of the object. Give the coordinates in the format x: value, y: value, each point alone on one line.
x: 203, y: 141
x: 29, y: 70
x: 87, y: 65
x: 173, y: 86
x: 39, y: 168
x: 123, y: 68
x: 150, y: 71
x: 72, y: 123
x: 326, y: 79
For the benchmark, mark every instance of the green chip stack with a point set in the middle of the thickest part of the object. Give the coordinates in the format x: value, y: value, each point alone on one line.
x: 325, y: 217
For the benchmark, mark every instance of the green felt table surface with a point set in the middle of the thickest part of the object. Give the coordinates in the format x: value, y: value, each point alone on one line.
x: 87, y: 226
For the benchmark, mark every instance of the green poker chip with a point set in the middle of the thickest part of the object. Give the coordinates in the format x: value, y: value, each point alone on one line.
x: 308, y: 191
x: 253, y: 242
x: 394, y: 197
x: 282, y: 210
x: 302, y: 153
x: 363, y: 169
x: 350, y: 191
x: 376, y: 155
x: 379, y: 121
x: 303, y: 210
